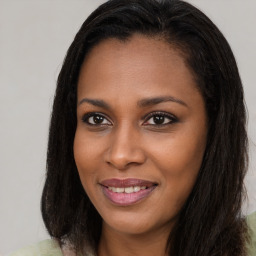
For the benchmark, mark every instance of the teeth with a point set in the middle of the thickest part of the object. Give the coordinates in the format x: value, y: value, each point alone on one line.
x: 127, y: 190
x: 136, y: 189
x: 114, y: 189
x: 118, y: 190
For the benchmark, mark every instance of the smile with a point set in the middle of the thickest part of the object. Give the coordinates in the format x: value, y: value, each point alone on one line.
x: 127, y: 192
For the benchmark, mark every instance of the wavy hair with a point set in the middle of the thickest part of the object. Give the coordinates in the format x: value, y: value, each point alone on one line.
x: 210, y: 222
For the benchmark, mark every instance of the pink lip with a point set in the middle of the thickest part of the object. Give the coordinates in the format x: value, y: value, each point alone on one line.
x: 125, y: 199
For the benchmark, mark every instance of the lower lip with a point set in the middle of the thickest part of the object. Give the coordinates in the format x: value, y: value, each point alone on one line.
x: 124, y: 199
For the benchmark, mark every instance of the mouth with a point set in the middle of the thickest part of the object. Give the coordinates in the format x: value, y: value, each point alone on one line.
x: 128, y: 191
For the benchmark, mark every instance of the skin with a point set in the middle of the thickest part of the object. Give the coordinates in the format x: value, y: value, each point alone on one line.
x: 130, y: 144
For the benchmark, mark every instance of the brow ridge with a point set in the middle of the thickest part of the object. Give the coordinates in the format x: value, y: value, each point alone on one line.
x: 141, y: 103
x: 95, y: 102
x: 158, y: 100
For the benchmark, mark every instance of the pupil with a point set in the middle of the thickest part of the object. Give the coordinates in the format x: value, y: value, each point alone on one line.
x: 98, y: 119
x: 158, y: 119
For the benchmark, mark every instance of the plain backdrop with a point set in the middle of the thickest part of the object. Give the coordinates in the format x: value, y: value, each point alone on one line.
x: 34, y: 37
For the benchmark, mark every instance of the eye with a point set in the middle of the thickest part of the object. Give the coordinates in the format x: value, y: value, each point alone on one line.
x: 160, y: 118
x: 95, y: 119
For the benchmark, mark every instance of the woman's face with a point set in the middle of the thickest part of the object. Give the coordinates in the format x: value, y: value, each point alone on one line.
x: 141, y: 133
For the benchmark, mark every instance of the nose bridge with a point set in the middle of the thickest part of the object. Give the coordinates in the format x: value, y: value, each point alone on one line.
x: 125, y: 148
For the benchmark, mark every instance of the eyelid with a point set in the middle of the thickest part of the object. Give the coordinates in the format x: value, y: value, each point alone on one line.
x: 86, y: 116
x: 172, y: 117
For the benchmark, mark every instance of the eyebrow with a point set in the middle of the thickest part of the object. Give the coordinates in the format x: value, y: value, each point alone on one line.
x: 95, y: 102
x: 141, y: 103
x: 158, y: 100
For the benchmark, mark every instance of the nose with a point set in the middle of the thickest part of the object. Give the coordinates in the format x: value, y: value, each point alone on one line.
x: 125, y: 149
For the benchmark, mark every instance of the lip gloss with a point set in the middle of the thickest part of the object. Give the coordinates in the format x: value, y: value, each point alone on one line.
x: 123, y: 198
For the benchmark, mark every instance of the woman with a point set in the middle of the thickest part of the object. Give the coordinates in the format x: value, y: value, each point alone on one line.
x: 147, y: 147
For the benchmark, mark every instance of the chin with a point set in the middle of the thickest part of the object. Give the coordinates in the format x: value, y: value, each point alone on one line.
x: 130, y: 223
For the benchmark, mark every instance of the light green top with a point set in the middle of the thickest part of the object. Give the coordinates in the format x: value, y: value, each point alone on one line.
x: 51, y: 247
x: 251, y: 220
x: 44, y: 248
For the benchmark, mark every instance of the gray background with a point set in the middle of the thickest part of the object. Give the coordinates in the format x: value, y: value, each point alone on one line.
x: 34, y: 37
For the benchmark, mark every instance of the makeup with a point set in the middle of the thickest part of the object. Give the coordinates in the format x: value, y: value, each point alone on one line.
x: 128, y: 191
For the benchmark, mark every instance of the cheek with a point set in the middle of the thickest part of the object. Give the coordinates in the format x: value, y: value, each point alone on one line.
x: 87, y: 149
x: 85, y: 158
x: 179, y: 154
x: 179, y: 159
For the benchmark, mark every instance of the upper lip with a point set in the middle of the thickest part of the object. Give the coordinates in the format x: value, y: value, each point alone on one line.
x: 124, y: 183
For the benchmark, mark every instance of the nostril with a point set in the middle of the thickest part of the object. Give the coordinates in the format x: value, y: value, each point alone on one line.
x: 119, y: 165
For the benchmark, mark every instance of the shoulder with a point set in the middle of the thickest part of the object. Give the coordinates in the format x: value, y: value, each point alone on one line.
x: 44, y: 248
x: 251, y: 221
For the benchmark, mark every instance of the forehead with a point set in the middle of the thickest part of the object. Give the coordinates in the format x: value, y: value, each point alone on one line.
x: 148, y: 65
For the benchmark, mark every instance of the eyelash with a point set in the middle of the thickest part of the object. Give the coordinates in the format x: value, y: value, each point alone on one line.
x: 87, y: 116
x: 163, y: 114
x: 173, y: 119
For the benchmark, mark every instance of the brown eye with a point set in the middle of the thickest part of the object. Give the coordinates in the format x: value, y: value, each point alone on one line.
x: 160, y: 119
x: 95, y: 119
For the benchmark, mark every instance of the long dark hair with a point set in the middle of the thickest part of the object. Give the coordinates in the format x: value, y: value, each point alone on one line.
x: 210, y: 223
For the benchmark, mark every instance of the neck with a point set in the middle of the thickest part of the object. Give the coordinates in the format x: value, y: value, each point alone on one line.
x: 115, y: 243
